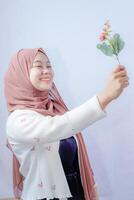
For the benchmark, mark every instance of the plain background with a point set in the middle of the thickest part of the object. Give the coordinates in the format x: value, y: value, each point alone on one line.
x: 68, y: 31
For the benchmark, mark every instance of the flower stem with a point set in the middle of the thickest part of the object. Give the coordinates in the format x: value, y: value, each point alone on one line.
x: 117, y: 58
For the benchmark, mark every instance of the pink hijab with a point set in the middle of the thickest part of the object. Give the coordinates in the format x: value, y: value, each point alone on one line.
x: 20, y: 94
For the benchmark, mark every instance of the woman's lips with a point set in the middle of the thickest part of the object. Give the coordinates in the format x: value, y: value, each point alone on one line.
x: 45, y: 79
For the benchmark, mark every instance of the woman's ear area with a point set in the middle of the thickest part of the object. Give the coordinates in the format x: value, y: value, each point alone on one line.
x: 53, y: 73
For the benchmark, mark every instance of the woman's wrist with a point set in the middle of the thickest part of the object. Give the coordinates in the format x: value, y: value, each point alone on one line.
x: 103, y: 99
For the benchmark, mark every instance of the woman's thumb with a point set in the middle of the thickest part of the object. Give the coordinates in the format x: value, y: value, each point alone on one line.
x: 118, y: 68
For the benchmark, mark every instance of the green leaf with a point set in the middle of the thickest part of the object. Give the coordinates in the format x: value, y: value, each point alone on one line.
x: 117, y: 43
x: 106, y: 49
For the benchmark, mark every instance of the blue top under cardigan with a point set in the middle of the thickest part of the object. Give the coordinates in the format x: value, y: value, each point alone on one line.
x: 69, y: 157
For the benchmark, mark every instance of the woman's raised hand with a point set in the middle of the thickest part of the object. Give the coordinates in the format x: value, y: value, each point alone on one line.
x: 116, y: 83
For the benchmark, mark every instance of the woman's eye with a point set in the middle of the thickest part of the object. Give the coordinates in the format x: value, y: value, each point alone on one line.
x: 39, y: 66
x: 49, y: 66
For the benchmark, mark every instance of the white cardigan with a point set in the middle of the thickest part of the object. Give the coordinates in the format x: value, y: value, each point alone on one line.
x: 35, y: 139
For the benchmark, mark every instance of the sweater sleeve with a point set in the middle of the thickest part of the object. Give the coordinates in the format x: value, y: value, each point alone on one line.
x: 30, y: 127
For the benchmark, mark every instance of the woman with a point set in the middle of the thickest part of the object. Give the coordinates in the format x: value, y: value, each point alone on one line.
x: 50, y: 159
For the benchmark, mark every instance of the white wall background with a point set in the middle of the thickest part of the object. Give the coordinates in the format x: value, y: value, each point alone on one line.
x: 68, y: 31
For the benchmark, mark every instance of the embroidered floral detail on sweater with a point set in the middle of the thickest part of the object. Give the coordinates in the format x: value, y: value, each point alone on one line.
x: 37, y: 139
x: 48, y: 148
x: 33, y: 149
x: 40, y: 184
x: 23, y: 120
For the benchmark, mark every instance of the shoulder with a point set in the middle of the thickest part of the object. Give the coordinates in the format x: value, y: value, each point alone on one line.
x: 19, y: 112
x: 22, y: 114
x: 19, y: 119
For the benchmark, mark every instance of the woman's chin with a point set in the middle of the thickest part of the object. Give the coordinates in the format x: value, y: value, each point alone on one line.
x: 46, y: 88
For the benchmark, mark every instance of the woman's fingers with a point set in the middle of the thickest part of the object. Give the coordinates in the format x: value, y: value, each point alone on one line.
x: 124, y: 79
x: 118, y: 68
x: 124, y: 82
x: 121, y: 73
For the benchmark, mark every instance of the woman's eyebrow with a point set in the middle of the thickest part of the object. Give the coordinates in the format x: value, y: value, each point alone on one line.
x: 37, y: 61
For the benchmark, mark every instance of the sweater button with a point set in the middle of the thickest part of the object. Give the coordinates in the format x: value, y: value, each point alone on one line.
x: 53, y: 187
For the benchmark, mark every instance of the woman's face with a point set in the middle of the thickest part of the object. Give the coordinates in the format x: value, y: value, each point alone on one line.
x: 41, y: 74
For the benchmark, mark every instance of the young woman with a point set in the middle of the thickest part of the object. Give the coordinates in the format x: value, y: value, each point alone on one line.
x: 49, y: 155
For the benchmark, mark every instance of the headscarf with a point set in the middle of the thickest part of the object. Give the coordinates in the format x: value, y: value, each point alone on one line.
x: 21, y: 94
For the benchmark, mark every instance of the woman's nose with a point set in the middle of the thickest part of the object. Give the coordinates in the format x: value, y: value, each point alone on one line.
x: 45, y: 71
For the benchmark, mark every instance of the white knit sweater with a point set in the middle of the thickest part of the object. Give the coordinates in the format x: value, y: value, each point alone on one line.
x: 35, y: 138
